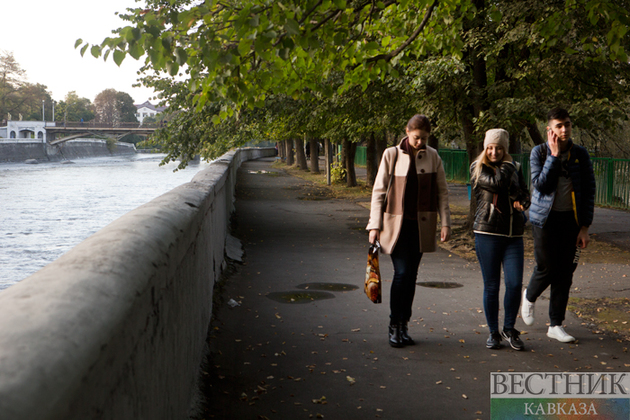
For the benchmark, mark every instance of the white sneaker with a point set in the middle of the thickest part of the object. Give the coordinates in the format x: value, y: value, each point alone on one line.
x: 559, y: 334
x: 527, y: 310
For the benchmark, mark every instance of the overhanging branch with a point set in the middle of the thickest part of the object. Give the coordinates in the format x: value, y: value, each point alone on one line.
x: 388, y: 57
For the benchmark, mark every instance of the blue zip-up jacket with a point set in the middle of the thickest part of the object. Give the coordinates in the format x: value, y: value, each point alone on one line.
x: 546, y: 169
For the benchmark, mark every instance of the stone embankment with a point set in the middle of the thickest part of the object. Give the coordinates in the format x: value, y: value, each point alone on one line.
x: 116, y: 328
x: 37, y: 151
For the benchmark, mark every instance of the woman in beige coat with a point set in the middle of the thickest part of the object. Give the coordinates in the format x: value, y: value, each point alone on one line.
x: 405, y: 224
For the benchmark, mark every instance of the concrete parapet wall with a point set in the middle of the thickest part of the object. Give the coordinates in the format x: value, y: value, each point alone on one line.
x: 116, y: 328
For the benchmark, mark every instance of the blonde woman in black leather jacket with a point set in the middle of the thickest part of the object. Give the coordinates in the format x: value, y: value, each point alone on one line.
x: 502, y: 197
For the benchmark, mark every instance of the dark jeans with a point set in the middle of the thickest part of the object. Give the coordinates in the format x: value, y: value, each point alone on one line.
x: 556, y: 256
x: 492, y: 252
x: 406, y: 258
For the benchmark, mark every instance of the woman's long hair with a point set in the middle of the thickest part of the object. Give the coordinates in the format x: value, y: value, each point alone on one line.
x: 481, y: 160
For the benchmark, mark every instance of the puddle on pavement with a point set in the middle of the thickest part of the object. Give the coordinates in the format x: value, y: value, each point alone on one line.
x: 263, y: 172
x: 333, y: 287
x: 299, y: 297
x: 440, y: 284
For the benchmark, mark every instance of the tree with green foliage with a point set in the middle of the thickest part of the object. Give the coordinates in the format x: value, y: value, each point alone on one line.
x: 236, y: 55
x: 19, y: 98
x: 30, y: 97
x: 113, y: 107
x: 73, y: 108
x: 126, y: 108
x: 509, y: 77
x: 508, y: 60
x: 106, y: 107
x: 11, y: 79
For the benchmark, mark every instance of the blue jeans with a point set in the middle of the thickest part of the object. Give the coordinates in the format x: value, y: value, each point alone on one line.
x: 492, y: 252
x: 406, y: 258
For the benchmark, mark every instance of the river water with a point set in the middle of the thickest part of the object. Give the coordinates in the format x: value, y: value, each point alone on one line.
x: 48, y: 208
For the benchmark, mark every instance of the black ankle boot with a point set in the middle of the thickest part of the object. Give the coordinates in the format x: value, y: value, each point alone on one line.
x: 404, y: 335
x: 395, y: 339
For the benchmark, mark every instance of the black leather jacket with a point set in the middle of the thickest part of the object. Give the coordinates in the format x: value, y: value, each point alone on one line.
x: 496, y: 191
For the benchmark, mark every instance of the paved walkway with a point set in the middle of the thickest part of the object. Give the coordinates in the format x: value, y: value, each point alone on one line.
x: 273, y: 358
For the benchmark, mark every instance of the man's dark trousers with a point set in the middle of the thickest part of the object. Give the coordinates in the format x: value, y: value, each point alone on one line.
x: 557, y: 255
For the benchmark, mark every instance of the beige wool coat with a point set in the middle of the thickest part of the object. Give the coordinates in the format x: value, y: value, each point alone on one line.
x: 432, y: 197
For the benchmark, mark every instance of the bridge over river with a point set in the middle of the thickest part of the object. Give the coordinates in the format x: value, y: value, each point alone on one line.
x: 59, y: 132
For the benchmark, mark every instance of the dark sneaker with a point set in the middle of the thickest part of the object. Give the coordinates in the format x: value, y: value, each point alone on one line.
x: 494, y: 340
x: 512, y: 337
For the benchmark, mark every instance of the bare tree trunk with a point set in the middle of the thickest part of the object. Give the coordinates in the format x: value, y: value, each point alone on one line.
x: 299, y: 152
x: 342, y: 158
x: 351, y: 175
x: 433, y: 142
x: 473, y: 150
x: 289, y: 152
x: 371, y: 161
x: 314, y: 146
x: 477, y: 64
x: 515, y: 144
x: 281, y: 150
x: 329, y: 156
x: 381, y: 145
x: 534, y: 133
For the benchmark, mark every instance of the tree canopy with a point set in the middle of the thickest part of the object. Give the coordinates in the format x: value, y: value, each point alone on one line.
x: 113, y: 107
x: 74, y: 108
x: 23, y: 100
x: 470, y: 65
x: 18, y: 98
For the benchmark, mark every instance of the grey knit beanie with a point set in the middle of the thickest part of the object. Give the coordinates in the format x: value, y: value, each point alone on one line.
x: 497, y: 136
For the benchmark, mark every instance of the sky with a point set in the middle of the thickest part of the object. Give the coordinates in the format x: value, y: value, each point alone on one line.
x: 41, y: 35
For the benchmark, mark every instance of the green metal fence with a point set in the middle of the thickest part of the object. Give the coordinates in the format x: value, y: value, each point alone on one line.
x: 360, y: 156
x: 456, y: 165
x: 612, y: 179
x: 612, y: 176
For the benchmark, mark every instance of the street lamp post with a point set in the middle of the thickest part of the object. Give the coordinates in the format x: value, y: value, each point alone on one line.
x: 43, y: 110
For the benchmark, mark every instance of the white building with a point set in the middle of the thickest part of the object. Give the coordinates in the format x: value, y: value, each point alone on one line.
x: 24, y: 130
x: 147, y: 110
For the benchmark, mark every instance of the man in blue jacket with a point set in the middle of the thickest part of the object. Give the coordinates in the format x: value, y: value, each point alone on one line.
x: 562, y: 206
